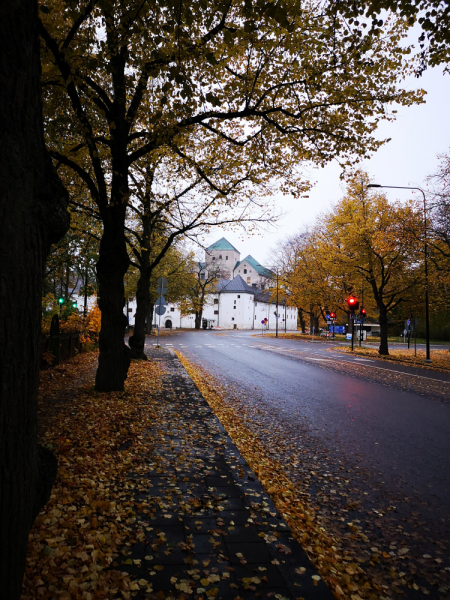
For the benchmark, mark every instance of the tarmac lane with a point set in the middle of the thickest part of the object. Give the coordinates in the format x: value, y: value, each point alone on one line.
x: 366, y: 448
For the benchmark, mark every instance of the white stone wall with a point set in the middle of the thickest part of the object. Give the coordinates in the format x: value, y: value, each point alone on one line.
x: 251, y: 276
x: 224, y: 259
x: 79, y: 299
x: 248, y: 273
x: 288, y: 316
x: 247, y: 314
x: 235, y: 310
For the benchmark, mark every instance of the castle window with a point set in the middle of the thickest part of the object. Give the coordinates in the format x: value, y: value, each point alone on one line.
x: 232, y: 318
x: 245, y: 271
x: 220, y: 256
x: 234, y: 305
x: 239, y: 295
x: 226, y: 257
x: 214, y: 258
x: 235, y: 301
x: 216, y: 300
x: 216, y: 312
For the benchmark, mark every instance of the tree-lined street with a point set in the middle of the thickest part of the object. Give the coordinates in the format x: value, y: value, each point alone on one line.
x: 151, y: 123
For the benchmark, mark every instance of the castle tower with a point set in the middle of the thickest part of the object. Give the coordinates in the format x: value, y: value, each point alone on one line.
x: 222, y: 255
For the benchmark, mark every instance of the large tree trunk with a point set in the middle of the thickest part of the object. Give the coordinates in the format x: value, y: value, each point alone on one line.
x: 198, y: 319
x: 383, y: 350
x: 137, y: 340
x: 301, y: 318
x: 314, y: 321
x: 114, y: 356
x: 32, y: 216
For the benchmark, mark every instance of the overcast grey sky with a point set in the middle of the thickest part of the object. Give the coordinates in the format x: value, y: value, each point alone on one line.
x: 418, y: 135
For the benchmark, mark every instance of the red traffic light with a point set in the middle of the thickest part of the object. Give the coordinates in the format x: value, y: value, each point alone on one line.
x: 353, y: 303
x: 332, y: 315
x: 363, y: 312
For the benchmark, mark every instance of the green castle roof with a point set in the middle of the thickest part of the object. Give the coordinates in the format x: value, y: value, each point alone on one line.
x: 258, y: 268
x: 222, y: 244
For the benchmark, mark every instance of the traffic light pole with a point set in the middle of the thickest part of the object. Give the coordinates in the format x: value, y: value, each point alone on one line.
x: 353, y: 328
x: 277, y: 316
x: 427, y: 311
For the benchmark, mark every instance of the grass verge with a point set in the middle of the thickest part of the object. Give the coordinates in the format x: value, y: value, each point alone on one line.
x: 440, y: 358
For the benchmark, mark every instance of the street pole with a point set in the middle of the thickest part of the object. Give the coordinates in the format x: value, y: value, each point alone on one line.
x: 159, y: 326
x: 353, y: 329
x: 276, y: 318
x: 427, y: 312
x: 360, y: 316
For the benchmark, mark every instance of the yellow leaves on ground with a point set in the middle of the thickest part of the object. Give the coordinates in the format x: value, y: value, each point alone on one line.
x: 98, y: 439
x: 323, y: 550
x: 440, y: 358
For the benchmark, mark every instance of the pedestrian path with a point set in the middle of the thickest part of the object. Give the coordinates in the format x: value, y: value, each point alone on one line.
x: 208, y: 528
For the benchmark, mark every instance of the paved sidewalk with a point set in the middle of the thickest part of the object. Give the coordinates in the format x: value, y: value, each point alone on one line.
x: 208, y: 529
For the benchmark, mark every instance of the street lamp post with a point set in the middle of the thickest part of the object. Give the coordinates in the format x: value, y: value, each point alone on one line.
x: 427, y: 312
x: 277, y: 316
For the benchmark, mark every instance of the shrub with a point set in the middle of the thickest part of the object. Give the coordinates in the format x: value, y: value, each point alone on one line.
x: 72, y: 322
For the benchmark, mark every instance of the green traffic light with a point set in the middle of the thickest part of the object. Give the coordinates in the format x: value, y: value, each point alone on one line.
x: 74, y: 305
x: 60, y: 300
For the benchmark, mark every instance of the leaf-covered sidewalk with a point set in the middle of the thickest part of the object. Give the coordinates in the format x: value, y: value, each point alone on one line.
x: 152, y: 499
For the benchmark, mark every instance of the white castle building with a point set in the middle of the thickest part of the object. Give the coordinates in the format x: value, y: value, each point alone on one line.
x: 241, y: 299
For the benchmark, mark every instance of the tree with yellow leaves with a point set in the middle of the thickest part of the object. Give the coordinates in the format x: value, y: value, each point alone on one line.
x: 364, y: 243
x: 306, y: 275
x: 370, y: 239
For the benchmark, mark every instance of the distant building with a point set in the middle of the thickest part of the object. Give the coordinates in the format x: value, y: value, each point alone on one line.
x: 241, y: 299
x: 223, y: 256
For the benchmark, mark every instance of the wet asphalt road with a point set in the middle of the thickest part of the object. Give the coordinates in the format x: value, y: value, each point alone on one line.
x: 400, y: 437
x: 392, y: 430
x: 367, y: 442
